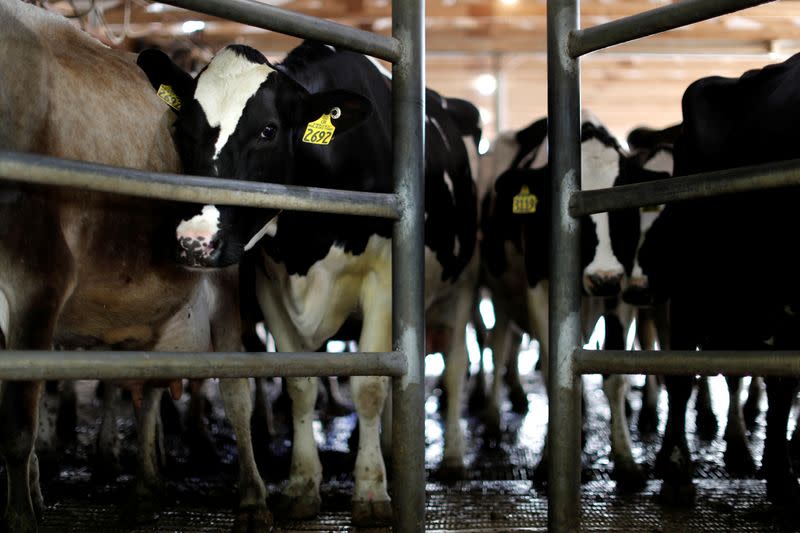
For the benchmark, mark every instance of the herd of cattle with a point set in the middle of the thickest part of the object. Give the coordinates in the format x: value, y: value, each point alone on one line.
x: 81, y: 270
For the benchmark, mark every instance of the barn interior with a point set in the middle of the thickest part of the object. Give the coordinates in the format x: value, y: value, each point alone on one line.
x: 491, y: 53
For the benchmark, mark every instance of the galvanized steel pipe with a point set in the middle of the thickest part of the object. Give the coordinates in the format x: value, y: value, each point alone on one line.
x: 689, y: 362
x: 650, y: 22
x: 44, y: 170
x: 770, y: 176
x: 40, y: 365
x: 408, y: 271
x: 563, y: 104
x: 262, y: 15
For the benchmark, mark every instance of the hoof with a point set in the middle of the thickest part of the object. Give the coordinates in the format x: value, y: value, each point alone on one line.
x: 491, y: 422
x: 677, y: 494
x: 477, y: 401
x: 648, y: 421
x: 142, y: 507
x: 707, y: 425
x: 519, y: 400
x: 452, y: 471
x: 252, y: 520
x: 630, y: 477
x: 782, y: 489
x: 372, y: 514
x: 17, y: 523
x: 738, y: 460
x: 298, y: 508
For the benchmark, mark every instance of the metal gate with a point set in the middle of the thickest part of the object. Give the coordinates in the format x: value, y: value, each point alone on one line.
x: 568, y: 361
x: 405, y: 49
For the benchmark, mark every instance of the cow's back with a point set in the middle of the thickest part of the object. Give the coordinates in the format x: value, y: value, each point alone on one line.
x: 54, y: 75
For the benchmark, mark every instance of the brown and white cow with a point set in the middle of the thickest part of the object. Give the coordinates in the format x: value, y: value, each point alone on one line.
x: 85, y: 270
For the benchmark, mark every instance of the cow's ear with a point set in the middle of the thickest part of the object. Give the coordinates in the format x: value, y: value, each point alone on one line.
x: 346, y: 108
x: 163, y: 72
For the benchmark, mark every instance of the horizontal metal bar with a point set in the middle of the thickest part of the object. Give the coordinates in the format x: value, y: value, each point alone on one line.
x: 650, y: 22
x: 269, y: 17
x: 36, y: 365
x: 743, y: 179
x: 43, y: 170
x: 688, y: 362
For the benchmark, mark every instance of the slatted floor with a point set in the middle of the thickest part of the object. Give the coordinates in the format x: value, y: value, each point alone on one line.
x: 497, y: 496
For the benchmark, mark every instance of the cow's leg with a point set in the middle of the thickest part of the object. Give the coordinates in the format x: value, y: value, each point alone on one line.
x: 253, y: 515
x: 782, y: 487
x: 500, y: 346
x: 148, y: 487
x: 673, y: 461
x: 627, y: 472
x: 738, y: 459
x: 539, y: 324
x: 516, y: 392
x: 477, y: 401
x: 707, y: 424
x: 108, y: 443
x: 67, y: 418
x: 300, y: 499
x: 455, y: 370
x: 47, y: 440
x: 752, y: 407
x: 198, y: 437
x: 262, y: 422
x: 30, y: 327
x: 648, y: 413
x: 19, y: 413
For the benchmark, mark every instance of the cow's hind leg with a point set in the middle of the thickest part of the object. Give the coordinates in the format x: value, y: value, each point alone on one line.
x: 738, y: 459
x: 145, y: 501
x: 18, y: 416
x: 253, y: 515
x: 782, y: 486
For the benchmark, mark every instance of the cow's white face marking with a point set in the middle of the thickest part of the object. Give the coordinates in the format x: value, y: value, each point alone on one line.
x: 224, y: 88
x: 205, y: 225
x: 662, y: 161
x: 449, y: 182
x: 600, y: 167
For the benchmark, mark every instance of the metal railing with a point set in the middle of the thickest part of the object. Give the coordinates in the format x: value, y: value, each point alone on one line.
x: 565, y: 44
x: 405, y: 49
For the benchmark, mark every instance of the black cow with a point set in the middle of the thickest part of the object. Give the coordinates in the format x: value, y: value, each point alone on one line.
x: 322, y: 118
x: 515, y: 224
x: 725, y: 263
x: 85, y: 270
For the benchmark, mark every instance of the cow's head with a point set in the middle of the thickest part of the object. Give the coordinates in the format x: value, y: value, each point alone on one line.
x: 643, y: 166
x: 241, y: 118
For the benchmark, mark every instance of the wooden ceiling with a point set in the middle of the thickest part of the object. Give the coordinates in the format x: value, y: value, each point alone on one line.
x: 635, y: 83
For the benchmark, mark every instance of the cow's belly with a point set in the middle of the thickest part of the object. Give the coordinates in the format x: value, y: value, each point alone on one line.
x: 122, y: 312
x: 335, y: 287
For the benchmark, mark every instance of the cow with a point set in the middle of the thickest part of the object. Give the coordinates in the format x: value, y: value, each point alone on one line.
x: 515, y: 250
x: 724, y: 263
x: 243, y: 117
x: 87, y: 270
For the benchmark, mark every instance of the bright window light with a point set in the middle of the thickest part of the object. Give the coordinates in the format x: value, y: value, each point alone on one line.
x: 486, y: 84
x: 191, y: 26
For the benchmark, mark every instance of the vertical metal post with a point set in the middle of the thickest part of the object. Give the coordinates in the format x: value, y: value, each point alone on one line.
x: 408, y: 111
x: 563, y: 72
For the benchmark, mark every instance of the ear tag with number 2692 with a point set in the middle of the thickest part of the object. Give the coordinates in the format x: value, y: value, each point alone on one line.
x: 320, y: 131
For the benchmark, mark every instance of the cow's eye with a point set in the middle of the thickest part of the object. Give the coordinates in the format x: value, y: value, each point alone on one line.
x: 268, y: 133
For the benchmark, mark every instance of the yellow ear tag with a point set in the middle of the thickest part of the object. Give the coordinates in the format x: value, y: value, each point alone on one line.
x: 524, y: 202
x: 169, y: 97
x: 320, y: 131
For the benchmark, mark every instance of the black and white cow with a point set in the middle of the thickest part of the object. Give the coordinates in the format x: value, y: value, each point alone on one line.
x: 85, y: 270
x: 245, y: 118
x: 515, y: 250
x: 727, y: 263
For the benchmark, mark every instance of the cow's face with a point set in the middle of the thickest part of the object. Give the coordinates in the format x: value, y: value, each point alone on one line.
x: 243, y: 119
